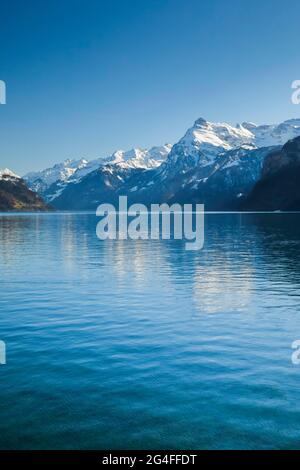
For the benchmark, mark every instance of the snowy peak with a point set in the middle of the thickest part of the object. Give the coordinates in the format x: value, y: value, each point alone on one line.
x: 134, y: 158
x: 218, y: 134
x: 139, y: 158
x: 205, y: 140
x: 41, y: 180
x: 7, y: 174
x: 72, y: 171
x: 213, y: 136
x: 273, y: 134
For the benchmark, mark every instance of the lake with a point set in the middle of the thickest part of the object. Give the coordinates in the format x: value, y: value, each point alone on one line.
x: 144, y: 345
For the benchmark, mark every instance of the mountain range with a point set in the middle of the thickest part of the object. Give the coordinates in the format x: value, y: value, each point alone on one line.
x: 220, y: 165
x: 51, y: 182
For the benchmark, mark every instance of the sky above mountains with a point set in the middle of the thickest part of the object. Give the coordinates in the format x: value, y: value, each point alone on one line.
x: 86, y: 78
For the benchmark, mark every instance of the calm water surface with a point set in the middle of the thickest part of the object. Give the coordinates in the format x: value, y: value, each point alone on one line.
x: 141, y: 344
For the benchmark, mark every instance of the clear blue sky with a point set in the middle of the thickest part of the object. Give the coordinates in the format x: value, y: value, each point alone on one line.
x: 85, y: 77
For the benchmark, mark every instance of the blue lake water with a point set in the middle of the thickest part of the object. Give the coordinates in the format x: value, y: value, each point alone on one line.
x: 144, y: 345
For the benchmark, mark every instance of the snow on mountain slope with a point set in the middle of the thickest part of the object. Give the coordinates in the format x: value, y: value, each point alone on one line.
x: 205, y: 140
x: 208, y: 159
x: 52, y: 181
x: 40, y: 181
x: 274, y: 134
x: 8, y: 174
x: 218, y: 185
x: 139, y: 158
x: 211, y: 138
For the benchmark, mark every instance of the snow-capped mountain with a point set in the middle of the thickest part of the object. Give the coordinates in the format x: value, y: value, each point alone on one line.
x: 225, y: 183
x: 40, y: 181
x: 7, y: 174
x: 51, y: 182
x: 268, y: 135
x: 205, y: 140
x: 139, y: 158
x: 214, y: 163
x: 209, y: 137
x: 220, y: 185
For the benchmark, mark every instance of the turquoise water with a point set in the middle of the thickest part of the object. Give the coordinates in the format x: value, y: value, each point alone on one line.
x: 141, y: 344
